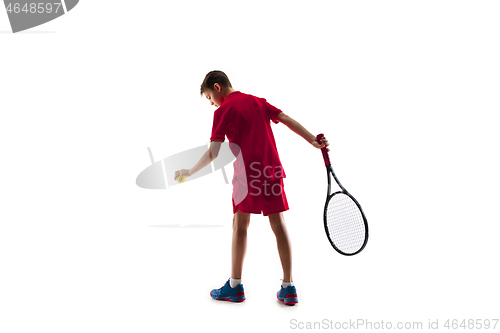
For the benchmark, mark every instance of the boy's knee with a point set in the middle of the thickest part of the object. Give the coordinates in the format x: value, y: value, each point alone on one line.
x: 276, y: 224
x: 240, y: 226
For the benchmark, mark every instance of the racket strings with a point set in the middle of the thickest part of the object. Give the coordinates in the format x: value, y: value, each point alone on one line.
x: 345, y: 224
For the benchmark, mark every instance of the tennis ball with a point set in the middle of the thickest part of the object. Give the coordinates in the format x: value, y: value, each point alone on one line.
x: 183, y: 179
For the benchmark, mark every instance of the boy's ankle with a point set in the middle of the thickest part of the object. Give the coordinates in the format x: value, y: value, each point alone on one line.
x: 234, y: 282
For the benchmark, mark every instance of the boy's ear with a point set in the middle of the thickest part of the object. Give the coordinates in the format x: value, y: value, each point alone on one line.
x: 217, y: 87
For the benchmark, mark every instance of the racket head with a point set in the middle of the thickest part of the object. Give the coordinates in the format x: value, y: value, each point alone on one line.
x: 345, y: 223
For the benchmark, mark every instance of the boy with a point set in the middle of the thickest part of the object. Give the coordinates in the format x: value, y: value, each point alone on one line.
x: 245, y: 120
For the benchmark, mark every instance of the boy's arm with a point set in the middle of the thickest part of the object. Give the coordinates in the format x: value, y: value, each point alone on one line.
x: 296, y: 127
x: 208, y: 157
x: 300, y: 130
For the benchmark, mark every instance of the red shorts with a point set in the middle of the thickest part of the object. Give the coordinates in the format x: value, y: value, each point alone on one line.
x: 267, y: 197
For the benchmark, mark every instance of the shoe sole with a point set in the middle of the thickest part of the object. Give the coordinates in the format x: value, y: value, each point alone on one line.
x: 238, y: 300
x: 287, y: 300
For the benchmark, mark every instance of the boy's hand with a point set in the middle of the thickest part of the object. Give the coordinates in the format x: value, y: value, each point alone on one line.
x: 324, y: 143
x: 182, y: 173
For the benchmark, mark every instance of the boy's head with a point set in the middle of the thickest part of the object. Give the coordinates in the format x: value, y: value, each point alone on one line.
x: 216, y: 86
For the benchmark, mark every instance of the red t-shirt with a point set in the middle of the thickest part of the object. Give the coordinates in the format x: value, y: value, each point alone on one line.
x: 245, y: 120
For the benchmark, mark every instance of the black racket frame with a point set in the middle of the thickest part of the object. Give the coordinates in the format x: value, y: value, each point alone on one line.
x: 329, y: 196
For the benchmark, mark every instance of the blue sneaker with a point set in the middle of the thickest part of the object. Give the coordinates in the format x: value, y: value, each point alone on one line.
x: 288, y: 295
x: 226, y: 293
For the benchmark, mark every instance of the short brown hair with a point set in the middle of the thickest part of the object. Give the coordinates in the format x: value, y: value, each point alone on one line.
x: 214, y: 77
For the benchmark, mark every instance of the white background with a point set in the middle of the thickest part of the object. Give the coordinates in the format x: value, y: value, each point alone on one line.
x: 405, y: 91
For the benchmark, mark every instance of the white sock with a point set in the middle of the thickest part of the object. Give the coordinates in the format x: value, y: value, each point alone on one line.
x: 286, y: 284
x: 234, y: 282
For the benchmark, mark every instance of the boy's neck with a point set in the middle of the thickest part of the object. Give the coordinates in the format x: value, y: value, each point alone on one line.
x: 228, y: 91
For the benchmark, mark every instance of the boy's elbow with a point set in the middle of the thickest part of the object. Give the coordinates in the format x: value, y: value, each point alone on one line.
x: 212, y: 155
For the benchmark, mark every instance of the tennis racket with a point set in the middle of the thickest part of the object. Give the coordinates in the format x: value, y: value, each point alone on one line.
x: 345, y: 222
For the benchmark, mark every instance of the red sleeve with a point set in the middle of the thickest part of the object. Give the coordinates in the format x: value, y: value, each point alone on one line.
x: 218, y: 127
x: 273, y: 112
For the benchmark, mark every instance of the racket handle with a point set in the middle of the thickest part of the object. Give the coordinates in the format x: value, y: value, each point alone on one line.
x: 323, y: 150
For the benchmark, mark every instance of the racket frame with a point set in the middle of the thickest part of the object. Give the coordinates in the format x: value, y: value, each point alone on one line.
x: 329, y: 170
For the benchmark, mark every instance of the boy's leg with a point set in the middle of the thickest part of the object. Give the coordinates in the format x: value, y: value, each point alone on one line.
x: 277, y: 222
x: 241, y: 222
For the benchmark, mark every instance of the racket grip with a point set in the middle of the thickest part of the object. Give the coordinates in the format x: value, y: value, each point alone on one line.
x: 323, y: 150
